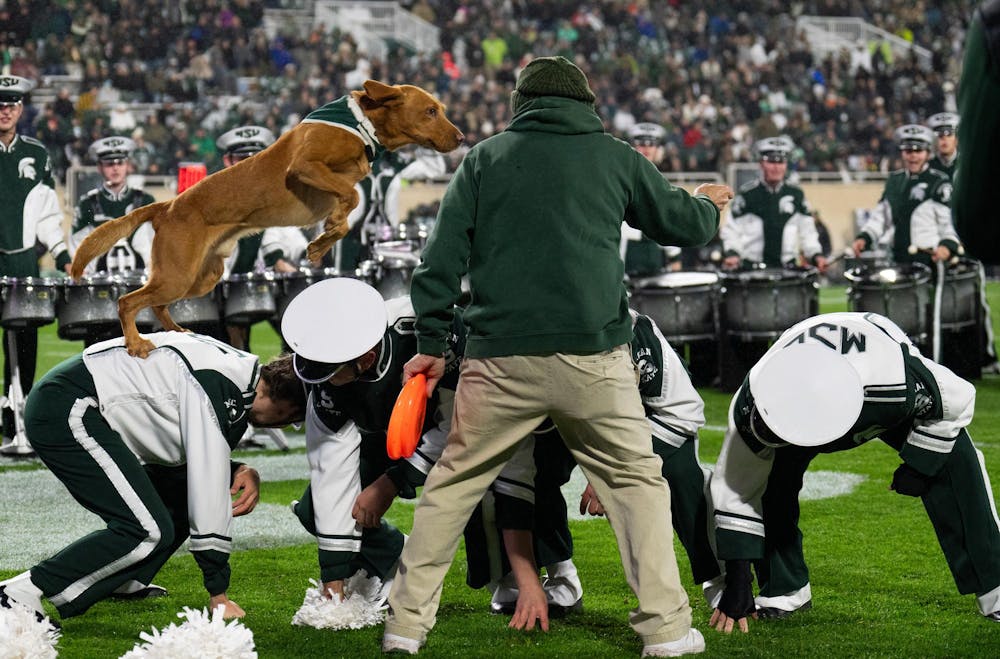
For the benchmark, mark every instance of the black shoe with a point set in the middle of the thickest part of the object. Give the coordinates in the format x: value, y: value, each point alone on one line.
x: 561, y: 611
x: 995, y: 616
x: 504, y: 608
x: 772, y: 613
x: 150, y: 591
x: 7, y: 602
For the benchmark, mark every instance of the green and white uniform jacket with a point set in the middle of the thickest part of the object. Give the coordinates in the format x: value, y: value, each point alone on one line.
x: 914, y: 210
x: 187, y: 403
x: 346, y: 429
x: 938, y: 163
x: 904, y: 392
x: 97, y: 207
x: 29, y: 207
x: 770, y: 225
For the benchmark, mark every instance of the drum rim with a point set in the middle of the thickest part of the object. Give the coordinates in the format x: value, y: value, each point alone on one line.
x: 29, y: 280
x: 239, y: 277
x: 708, y: 279
x: 770, y: 275
x: 865, y: 275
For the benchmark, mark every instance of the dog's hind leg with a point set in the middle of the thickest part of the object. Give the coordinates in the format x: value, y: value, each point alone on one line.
x: 210, y: 274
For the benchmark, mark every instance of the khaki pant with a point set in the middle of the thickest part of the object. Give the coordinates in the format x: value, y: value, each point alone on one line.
x: 595, y: 403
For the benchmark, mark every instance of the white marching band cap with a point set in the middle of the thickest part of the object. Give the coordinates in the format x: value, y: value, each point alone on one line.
x: 333, y: 322
x: 774, y: 148
x: 807, y: 394
x: 943, y: 121
x: 112, y: 148
x: 914, y: 136
x: 13, y: 89
x: 245, y: 139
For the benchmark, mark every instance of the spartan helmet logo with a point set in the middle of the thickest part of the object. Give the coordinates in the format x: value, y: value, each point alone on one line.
x: 647, y: 370
x: 248, y: 132
x: 26, y: 168
x: 919, y: 192
x: 786, y: 205
x: 945, y: 192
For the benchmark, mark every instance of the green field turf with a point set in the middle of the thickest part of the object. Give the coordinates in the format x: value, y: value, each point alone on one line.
x: 881, y: 587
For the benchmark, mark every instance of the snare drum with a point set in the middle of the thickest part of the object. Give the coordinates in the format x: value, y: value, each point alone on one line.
x: 761, y: 304
x: 88, y: 307
x: 901, y: 293
x: 391, y: 268
x: 960, y: 296
x: 683, y: 304
x: 27, y: 302
x: 248, y: 298
x: 133, y: 280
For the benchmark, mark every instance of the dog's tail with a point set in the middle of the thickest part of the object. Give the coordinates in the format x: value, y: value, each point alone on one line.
x: 105, y: 236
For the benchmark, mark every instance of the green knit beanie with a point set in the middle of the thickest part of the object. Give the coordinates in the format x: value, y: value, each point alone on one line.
x: 551, y: 76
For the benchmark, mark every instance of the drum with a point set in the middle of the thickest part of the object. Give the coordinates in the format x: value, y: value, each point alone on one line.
x: 901, y: 293
x: 391, y: 268
x: 198, y: 314
x: 248, y: 298
x: 960, y: 296
x: 88, y: 307
x: 683, y: 304
x: 762, y: 303
x: 290, y: 284
x: 133, y: 280
x: 27, y: 302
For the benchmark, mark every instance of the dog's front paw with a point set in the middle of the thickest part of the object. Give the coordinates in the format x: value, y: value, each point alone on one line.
x: 316, y: 250
x: 139, y: 348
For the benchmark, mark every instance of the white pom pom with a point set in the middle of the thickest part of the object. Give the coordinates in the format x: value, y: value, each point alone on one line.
x: 912, y: 249
x: 201, y: 635
x: 22, y: 636
x: 363, y: 607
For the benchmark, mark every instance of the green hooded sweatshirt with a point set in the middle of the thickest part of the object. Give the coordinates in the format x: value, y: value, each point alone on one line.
x: 534, y: 215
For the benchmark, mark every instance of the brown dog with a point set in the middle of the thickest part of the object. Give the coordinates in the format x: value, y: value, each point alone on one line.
x: 307, y: 175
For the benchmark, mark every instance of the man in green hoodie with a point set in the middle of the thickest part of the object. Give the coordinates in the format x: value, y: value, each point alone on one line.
x: 534, y: 217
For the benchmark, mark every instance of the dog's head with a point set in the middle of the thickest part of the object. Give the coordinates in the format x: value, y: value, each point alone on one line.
x: 404, y: 114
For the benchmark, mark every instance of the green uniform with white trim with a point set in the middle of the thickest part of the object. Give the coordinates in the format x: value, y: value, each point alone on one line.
x: 100, y: 205
x: 29, y: 213
x: 770, y: 225
x: 918, y: 407
x: 96, y: 419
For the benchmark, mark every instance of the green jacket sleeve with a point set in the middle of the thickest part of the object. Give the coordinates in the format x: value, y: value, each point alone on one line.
x: 669, y: 214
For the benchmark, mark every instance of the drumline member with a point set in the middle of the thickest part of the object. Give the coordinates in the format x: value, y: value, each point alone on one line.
x: 113, y: 199
x: 913, y: 213
x: 875, y: 383
x: 643, y: 256
x: 770, y: 221
x: 278, y: 249
x: 95, y: 419
x: 945, y: 127
x: 675, y: 412
x: 29, y: 213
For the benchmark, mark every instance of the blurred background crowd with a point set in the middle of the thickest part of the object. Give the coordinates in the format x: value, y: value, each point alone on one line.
x: 174, y: 75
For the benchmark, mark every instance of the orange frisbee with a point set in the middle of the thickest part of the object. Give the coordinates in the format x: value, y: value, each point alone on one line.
x: 407, y: 420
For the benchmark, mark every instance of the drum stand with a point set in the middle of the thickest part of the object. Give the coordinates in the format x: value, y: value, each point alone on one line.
x: 18, y: 445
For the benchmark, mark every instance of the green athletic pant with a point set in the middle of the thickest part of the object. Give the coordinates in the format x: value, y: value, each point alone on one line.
x: 75, y: 442
x: 958, y: 505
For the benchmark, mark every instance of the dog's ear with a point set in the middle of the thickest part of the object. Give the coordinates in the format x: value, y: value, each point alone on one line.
x: 381, y: 94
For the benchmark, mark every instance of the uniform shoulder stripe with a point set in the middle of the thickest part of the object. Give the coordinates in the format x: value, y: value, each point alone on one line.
x: 750, y: 185
x: 31, y: 140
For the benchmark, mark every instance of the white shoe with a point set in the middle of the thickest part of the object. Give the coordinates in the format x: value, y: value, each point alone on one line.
x: 692, y: 643
x: 395, y: 644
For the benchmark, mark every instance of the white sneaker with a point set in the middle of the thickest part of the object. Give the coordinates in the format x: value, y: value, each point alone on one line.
x: 395, y: 644
x: 693, y: 643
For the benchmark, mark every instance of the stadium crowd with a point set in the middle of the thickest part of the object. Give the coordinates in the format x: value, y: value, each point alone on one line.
x: 176, y: 75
